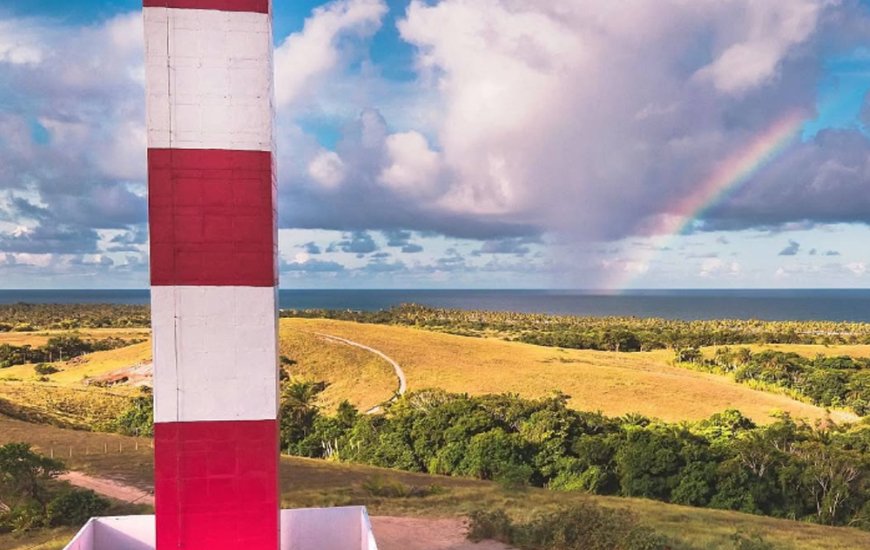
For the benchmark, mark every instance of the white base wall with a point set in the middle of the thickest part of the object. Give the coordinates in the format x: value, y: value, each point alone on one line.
x: 344, y: 528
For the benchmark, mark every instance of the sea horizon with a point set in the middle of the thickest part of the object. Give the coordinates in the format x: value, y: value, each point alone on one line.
x: 799, y: 304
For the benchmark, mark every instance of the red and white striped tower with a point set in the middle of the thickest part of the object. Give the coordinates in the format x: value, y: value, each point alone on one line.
x: 211, y: 184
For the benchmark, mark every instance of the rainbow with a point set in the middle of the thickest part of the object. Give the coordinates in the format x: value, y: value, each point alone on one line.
x: 727, y: 177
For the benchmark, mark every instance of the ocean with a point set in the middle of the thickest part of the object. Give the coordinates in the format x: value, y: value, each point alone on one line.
x: 828, y: 305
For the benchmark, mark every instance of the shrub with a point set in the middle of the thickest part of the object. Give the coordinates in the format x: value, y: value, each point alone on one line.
x: 582, y: 526
x: 489, y: 524
x: 138, y: 418
x: 75, y: 507
x: 590, y: 480
x: 379, y: 487
x: 21, y: 518
x: 750, y: 541
x: 44, y: 369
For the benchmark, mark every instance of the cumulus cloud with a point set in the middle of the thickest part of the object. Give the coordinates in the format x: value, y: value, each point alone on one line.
x: 311, y: 248
x: 18, y: 47
x: 412, y: 166
x: 592, y: 120
x: 358, y: 242
x: 327, y: 169
x: 791, y: 249
x: 769, y: 31
x: 412, y: 248
x: 313, y: 52
x: 70, y: 142
x: 516, y: 245
x: 583, y: 120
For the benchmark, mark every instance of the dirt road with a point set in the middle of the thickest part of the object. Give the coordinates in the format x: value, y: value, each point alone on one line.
x: 109, y: 488
x: 400, y: 374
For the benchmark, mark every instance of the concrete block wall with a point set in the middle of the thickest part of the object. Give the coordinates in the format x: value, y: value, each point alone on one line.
x: 212, y: 192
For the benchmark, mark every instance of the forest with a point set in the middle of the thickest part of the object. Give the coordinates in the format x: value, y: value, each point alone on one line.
x: 786, y: 469
x: 605, y: 333
x: 30, y: 317
x: 840, y: 382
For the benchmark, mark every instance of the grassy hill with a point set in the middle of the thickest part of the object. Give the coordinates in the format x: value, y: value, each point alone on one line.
x: 320, y: 483
x: 614, y: 383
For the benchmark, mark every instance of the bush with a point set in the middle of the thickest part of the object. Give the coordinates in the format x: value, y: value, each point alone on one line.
x: 582, y: 526
x: 489, y: 524
x: 749, y: 541
x: 44, y: 369
x: 75, y: 507
x: 21, y: 518
x: 379, y: 487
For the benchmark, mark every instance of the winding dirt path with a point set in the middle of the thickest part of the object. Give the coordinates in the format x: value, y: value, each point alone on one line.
x: 400, y: 374
x: 109, y: 488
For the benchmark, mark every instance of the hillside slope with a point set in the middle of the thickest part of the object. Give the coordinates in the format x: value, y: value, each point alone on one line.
x: 614, y: 383
x: 307, y: 482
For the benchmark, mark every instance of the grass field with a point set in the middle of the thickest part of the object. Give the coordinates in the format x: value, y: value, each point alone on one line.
x: 354, y: 374
x: 39, y: 338
x: 614, y: 383
x: 307, y: 482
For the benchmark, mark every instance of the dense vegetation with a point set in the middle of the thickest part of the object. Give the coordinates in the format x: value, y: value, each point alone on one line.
x: 842, y: 382
x: 30, y: 317
x: 787, y: 469
x: 58, y: 348
x: 29, y: 498
x: 605, y: 333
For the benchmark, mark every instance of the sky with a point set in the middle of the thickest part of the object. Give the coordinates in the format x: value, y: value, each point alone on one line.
x: 475, y: 144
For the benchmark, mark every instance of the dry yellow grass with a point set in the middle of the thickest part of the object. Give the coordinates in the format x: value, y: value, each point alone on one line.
x: 306, y: 482
x: 41, y: 337
x: 614, y: 383
x: 74, y: 372
x: 354, y: 374
x: 74, y: 407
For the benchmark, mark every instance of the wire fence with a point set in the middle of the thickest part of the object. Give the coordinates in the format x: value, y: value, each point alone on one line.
x: 70, y: 451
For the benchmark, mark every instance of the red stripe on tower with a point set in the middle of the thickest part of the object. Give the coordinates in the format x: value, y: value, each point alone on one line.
x: 253, y: 6
x: 211, y: 184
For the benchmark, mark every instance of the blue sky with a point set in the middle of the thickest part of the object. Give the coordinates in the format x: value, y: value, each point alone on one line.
x: 453, y: 144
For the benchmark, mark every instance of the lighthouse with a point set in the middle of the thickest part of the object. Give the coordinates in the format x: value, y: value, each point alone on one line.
x: 211, y: 196
x: 213, y: 243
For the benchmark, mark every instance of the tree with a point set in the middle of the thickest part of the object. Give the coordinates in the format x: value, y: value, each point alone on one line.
x: 298, y: 411
x: 24, y: 473
x: 831, y: 476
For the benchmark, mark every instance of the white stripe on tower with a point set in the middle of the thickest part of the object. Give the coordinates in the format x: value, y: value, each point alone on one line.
x: 213, y: 272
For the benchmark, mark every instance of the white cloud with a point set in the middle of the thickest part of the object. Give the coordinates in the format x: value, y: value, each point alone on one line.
x: 315, y: 50
x: 413, y: 165
x: 592, y: 118
x: 858, y: 268
x: 713, y: 267
x: 759, y: 42
x: 327, y: 169
x: 18, y: 44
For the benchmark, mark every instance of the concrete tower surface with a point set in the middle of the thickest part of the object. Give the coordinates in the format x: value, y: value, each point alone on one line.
x: 211, y: 188
x: 212, y: 218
